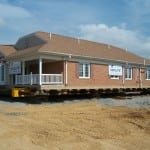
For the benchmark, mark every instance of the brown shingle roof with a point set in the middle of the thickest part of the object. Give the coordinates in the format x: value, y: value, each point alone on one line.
x: 67, y: 45
x: 6, y: 50
x: 62, y: 44
x: 24, y: 51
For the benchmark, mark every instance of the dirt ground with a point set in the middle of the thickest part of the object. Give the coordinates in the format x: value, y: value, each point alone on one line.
x: 74, y: 126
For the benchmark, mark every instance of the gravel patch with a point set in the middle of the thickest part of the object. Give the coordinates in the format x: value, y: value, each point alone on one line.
x: 133, y: 102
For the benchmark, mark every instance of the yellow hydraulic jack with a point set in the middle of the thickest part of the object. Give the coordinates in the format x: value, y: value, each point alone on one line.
x: 20, y: 92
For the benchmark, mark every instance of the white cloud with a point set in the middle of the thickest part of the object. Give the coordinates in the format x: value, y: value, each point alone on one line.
x: 10, y: 11
x: 15, y: 18
x: 118, y: 36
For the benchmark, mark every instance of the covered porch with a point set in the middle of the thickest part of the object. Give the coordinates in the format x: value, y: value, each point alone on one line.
x: 40, y: 72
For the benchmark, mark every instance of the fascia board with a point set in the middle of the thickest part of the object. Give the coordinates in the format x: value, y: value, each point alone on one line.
x: 70, y: 57
x: 67, y: 56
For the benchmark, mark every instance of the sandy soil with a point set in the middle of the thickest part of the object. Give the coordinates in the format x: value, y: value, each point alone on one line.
x: 74, y: 126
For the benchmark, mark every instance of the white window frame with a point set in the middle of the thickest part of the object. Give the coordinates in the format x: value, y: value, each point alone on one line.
x: 148, y: 74
x: 128, y: 74
x: 84, y: 70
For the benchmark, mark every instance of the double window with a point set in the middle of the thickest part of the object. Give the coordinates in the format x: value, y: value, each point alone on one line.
x: 84, y: 70
x: 128, y: 73
x: 148, y: 74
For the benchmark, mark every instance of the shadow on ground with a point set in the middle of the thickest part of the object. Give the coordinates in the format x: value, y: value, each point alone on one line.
x: 43, y: 99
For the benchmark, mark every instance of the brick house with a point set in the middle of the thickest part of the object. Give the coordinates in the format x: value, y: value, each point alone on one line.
x: 50, y: 61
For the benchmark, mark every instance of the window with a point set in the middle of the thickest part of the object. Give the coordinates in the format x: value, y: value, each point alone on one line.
x: 84, y: 70
x: 128, y: 73
x: 115, y: 71
x: 2, y: 73
x: 148, y: 74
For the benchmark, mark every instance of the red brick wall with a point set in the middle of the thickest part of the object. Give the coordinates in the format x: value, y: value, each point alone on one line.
x: 100, y: 77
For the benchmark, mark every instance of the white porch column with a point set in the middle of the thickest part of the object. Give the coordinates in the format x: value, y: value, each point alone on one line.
x: 40, y: 71
x: 23, y: 72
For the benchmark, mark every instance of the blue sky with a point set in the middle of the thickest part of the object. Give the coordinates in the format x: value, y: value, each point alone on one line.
x: 123, y: 23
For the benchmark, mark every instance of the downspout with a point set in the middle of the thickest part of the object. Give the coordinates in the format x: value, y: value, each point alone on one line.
x: 140, y: 76
x: 140, y: 80
x: 66, y: 73
x: 123, y: 76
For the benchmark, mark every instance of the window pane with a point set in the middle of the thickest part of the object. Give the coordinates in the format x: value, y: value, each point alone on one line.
x: 128, y: 73
x: 2, y: 73
x: 148, y: 74
x: 125, y: 73
x: 81, y: 70
x: 87, y: 70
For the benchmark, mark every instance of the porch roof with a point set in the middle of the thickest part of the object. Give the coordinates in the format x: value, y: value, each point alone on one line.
x: 59, y: 44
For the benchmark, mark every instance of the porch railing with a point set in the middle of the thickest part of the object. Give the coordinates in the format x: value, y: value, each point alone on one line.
x: 35, y: 79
